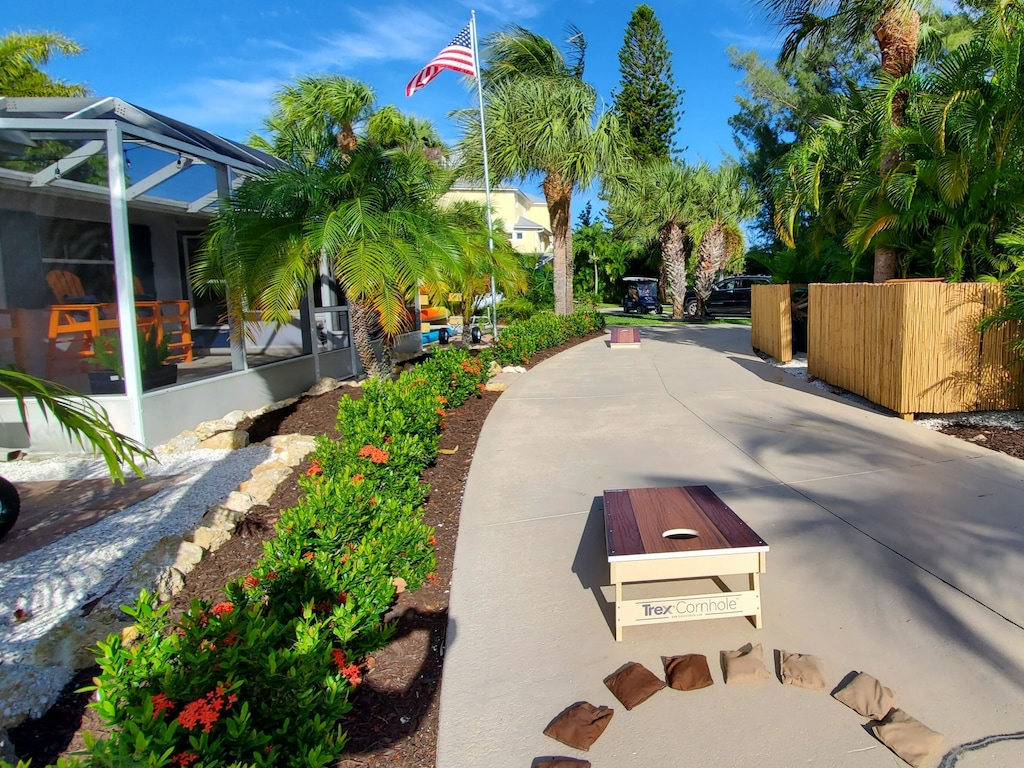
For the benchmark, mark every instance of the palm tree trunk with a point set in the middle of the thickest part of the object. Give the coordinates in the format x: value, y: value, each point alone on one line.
x: 673, y: 253
x: 710, y: 256
x: 360, y: 321
x: 897, y: 33
x: 558, y: 196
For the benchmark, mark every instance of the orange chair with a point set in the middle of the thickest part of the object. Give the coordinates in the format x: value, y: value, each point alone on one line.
x: 64, y: 284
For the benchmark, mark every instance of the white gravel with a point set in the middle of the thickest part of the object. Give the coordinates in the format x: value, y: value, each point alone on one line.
x: 54, y: 582
x: 1012, y: 419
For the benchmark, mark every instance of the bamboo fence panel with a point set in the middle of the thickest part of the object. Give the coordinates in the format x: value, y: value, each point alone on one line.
x: 771, y: 321
x: 914, y: 347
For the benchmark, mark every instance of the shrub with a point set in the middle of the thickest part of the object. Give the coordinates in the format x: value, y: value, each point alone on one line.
x: 262, y: 678
x: 519, y: 340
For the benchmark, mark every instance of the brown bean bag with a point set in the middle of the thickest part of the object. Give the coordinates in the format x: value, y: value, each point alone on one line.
x: 633, y: 684
x: 580, y: 725
x: 689, y: 672
x: 802, y: 670
x: 560, y: 762
x: 866, y: 696
x: 908, y: 737
x: 745, y: 665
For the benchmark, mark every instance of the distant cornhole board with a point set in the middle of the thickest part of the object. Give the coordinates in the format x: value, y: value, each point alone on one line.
x: 674, y: 534
x: 625, y: 338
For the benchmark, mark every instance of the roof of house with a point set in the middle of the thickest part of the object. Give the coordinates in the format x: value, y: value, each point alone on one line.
x: 169, y: 152
x: 525, y: 223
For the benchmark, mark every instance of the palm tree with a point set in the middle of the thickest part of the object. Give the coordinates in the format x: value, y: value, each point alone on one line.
x: 725, y: 199
x: 22, y: 56
x: 896, y: 28
x: 658, y: 201
x: 372, y: 213
x: 312, y: 113
x: 541, y: 119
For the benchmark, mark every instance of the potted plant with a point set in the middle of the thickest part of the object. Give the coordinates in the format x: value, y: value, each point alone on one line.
x: 153, y: 352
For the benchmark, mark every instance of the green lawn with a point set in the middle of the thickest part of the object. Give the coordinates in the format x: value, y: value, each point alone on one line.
x: 666, y: 320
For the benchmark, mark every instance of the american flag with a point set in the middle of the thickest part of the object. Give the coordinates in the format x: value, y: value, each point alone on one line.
x: 456, y: 56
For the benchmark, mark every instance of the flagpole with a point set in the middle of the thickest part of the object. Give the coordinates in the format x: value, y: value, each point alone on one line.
x: 487, y: 173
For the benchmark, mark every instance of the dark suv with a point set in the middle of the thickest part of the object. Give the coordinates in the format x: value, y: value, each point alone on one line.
x: 729, y: 297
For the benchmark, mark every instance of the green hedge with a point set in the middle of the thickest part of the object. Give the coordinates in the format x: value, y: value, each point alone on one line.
x: 262, y: 678
x: 518, y: 341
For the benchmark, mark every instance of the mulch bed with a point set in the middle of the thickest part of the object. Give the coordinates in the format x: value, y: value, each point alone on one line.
x: 394, y: 714
x: 1002, y: 439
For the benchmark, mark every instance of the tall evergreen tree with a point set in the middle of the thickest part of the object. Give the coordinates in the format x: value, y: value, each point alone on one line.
x: 648, y: 100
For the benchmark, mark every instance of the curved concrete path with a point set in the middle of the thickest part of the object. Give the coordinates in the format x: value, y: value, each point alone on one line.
x: 894, y: 550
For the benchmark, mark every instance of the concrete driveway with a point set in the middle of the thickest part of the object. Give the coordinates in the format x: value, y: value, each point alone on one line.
x: 894, y: 550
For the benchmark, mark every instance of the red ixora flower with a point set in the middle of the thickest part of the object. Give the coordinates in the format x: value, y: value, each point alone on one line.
x: 250, y: 581
x: 205, y: 711
x: 314, y: 468
x: 184, y: 759
x: 440, y: 412
x: 338, y: 656
x: 375, y: 454
x: 482, y: 387
x: 442, y: 399
x: 222, y: 609
x: 160, y: 703
x: 357, y: 479
x: 352, y: 673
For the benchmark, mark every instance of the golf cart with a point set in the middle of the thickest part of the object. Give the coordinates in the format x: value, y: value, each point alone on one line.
x: 641, y: 295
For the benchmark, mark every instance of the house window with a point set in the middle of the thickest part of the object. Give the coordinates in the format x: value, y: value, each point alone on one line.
x: 519, y: 235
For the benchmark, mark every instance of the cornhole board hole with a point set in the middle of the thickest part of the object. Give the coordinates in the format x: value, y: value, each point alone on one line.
x: 675, y: 534
x: 624, y: 338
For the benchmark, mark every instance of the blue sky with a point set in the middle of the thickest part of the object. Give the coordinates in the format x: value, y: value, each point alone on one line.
x: 215, y: 65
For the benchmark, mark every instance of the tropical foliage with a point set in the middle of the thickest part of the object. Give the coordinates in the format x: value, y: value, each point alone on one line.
x: 542, y: 120
x: 647, y: 101
x: 368, y: 206
x: 22, y: 58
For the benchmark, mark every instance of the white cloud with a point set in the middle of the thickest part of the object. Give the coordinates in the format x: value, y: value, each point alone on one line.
x: 230, y: 108
x: 769, y: 42
x: 223, y: 102
x: 505, y: 11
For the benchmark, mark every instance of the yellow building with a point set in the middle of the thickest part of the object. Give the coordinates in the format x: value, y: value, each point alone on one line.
x: 525, y: 218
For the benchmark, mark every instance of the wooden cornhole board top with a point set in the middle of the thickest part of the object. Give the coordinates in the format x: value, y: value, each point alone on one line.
x: 625, y: 337
x: 636, y: 519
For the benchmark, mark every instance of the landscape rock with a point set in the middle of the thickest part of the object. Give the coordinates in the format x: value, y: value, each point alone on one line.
x: 209, y: 538
x: 189, y: 556
x: 186, y: 441
x: 232, y: 440
x: 513, y: 369
x: 323, y: 386
x: 261, y: 487
x: 494, y: 368
x: 222, y: 518
x: 495, y: 386
x: 208, y: 429
x: 272, y: 466
x: 234, y: 418
x: 238, y: 501
x: 291, y: 449
x: 169, y: 583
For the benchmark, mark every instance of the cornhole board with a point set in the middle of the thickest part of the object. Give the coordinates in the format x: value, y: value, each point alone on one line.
x: 672, y: 534
x: 624, y: 338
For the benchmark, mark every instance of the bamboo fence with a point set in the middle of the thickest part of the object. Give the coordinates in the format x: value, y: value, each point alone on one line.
x: 914, y: 347
x: 771, y: 320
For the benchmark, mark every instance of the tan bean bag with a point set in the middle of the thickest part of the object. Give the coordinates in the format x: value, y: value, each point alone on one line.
x: 745, y: 665
x: 580, y: 725
x: 802, y: 670
x: 908, y: 737
x: 866, y: 696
